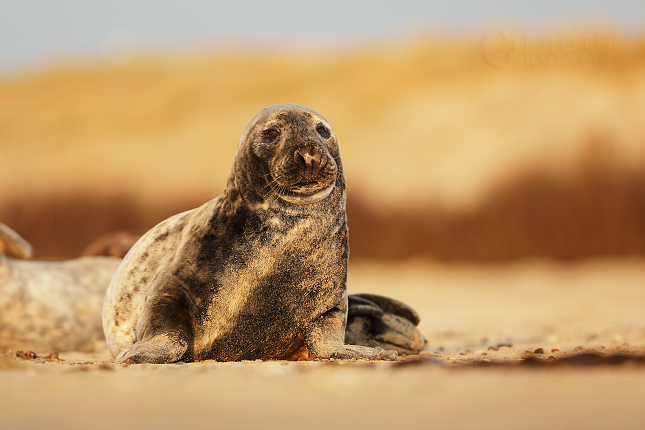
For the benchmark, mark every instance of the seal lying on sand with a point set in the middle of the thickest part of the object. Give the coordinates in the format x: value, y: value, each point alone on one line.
x: 50, y: 305
x: 257, y: 273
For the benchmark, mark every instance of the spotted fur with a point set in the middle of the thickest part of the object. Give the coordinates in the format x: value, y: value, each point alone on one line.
x: 47, y: 306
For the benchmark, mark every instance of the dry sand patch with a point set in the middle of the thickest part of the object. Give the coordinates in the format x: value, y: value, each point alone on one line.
x: 321, y: 395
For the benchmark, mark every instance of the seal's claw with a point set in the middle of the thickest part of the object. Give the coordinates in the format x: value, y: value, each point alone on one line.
x: 126, y: 358
x: 384, y: 354
x: 135, y: 356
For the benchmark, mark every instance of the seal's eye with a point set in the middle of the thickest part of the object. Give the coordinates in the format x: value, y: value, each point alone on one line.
x: 322, y: 130
x: 271, y: 133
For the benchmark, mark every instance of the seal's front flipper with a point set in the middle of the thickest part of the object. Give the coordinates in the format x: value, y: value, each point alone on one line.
x: 13, y: 245
x: 390, y: 324
x: 325, y: 337
x: 165, y: 332
x: 164, y: 348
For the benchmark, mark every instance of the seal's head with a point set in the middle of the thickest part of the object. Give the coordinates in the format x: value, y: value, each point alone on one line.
x: 287, y: 154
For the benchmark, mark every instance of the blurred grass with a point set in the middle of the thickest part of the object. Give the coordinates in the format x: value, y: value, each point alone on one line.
x: 598, y: 211
x: 445, y: 155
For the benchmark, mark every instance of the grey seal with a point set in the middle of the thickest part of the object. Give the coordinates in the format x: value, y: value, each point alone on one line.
x: 258, y: 272
x: 50, y: 305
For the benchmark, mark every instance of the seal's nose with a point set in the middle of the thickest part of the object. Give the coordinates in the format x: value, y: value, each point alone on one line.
x: 311, y: 158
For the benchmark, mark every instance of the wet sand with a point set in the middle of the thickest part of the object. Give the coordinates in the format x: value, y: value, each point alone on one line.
x: 484, y: 324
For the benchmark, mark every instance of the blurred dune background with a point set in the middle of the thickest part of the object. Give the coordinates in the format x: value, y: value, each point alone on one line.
x: 483, y: 147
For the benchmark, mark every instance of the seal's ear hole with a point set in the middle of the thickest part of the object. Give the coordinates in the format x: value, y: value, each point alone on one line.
x: 271, y: 133
x: 322, y: 130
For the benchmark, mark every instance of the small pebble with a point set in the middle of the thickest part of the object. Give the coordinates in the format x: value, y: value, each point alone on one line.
x: 539, y: 351
x: 551, y: 357
x: 555, y: 350
x: 579, y: 348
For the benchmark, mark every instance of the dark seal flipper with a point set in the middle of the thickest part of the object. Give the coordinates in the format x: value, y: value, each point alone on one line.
x: 378, y: 321
x: 392, y: 306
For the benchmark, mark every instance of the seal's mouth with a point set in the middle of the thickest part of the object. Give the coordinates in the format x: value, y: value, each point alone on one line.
x: 305, y: 194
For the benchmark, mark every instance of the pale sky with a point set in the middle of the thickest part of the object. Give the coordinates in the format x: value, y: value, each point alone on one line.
x: 33, y: 32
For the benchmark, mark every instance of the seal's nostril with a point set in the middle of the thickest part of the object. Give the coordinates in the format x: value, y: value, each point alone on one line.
x: 310, y: 160
x: 298, y: 156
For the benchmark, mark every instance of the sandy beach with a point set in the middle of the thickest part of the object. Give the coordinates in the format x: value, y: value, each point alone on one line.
x: 502, y: 346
